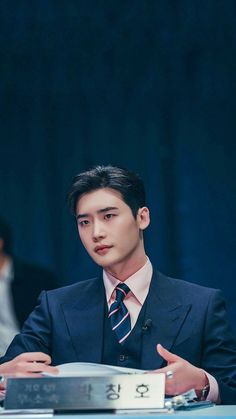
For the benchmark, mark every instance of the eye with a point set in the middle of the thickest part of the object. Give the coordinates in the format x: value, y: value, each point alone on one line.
x: 83, y: 223
x: 109, y: 216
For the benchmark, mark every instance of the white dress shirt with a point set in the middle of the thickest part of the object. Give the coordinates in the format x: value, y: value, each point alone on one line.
x: 8, y: 322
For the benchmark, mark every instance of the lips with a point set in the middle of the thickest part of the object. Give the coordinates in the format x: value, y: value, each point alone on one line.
x: 102, y: 249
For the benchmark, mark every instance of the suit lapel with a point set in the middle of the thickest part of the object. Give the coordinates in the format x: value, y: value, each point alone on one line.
x: 84, y: 321
x: 167, y: 314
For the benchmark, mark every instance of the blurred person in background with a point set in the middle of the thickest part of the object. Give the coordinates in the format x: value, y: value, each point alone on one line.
x: 20, y: 284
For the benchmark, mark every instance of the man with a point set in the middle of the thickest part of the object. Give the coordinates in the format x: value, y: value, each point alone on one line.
x: 20, y: 285
x: 133, y: 315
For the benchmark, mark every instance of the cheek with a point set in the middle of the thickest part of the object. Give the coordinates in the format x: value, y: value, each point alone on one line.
x: 129, y: 235
x: 127, y: 224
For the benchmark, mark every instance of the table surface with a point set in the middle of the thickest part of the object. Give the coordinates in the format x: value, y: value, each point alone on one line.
x: 224, y: 412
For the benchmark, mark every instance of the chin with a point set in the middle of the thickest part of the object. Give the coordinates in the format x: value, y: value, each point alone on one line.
x: 105, y: 263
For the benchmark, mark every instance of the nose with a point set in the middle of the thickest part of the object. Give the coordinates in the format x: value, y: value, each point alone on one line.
x: 98, y: 231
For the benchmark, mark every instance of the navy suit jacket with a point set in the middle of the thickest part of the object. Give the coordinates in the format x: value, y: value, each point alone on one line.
x: 187, y: 319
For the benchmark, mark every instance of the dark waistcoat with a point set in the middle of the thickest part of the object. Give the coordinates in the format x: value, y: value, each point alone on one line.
x: 127, y: 354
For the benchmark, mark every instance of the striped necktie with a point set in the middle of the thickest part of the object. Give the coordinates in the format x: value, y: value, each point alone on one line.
x: 119, y: 315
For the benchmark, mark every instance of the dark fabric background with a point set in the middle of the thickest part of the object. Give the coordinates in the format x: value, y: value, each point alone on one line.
x: 149, y: 85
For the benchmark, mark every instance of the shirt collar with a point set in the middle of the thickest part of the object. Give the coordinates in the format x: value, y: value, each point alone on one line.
x: 138, y: 283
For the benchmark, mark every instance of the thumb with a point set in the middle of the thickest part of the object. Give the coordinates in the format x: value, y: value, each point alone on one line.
x: 168, y: 356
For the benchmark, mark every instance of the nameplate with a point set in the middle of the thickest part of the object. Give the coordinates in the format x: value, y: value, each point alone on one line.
x: 136, y: 391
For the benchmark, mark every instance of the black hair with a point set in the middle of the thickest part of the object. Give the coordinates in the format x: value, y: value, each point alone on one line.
x: 128, y: 183
x: 6, y: 236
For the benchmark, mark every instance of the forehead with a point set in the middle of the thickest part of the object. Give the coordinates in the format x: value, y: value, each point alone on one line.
x: 100, y: 198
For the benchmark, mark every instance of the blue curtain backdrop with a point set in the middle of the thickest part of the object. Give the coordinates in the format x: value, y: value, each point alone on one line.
x: 149, y: 85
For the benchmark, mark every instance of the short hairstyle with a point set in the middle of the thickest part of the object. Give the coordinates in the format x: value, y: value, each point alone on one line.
x: 128, y: 183
x: 6, y: 236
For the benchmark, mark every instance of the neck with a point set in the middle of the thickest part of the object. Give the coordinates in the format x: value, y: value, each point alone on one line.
x: 127, y: 268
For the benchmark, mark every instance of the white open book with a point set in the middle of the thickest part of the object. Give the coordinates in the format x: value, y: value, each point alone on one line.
x: 89, y: 369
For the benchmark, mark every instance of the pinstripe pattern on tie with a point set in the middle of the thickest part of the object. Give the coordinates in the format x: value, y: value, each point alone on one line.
x: 119, y: 315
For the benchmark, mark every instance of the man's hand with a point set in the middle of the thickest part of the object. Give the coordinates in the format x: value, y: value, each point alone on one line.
x: 28, y: 364
x: 185, y: 375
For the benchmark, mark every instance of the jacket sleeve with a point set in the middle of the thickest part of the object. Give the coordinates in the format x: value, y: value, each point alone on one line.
x: 219, y: 349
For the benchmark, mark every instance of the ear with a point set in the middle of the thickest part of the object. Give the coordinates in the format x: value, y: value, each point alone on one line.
x: 143, y: 218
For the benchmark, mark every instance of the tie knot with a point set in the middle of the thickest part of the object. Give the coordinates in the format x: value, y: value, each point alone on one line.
x: 121, y: 291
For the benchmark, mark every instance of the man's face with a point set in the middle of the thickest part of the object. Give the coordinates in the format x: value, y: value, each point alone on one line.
x: 108, y: 229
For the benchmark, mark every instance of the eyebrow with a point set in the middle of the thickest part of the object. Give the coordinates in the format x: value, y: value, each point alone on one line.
x: 98, y: 212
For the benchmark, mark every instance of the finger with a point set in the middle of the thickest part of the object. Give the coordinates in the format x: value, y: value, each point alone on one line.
x: 167, y: 355
x: 170, y: 383
x: 34, y: 357
x: 164, y: 370
x: 26, y: 374
x: 53, y: 370
x: 171, y: 388
x: 35, y: 367
x: 39, y: 367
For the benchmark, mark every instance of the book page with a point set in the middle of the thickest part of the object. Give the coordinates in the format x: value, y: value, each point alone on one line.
x: 89, y: 369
